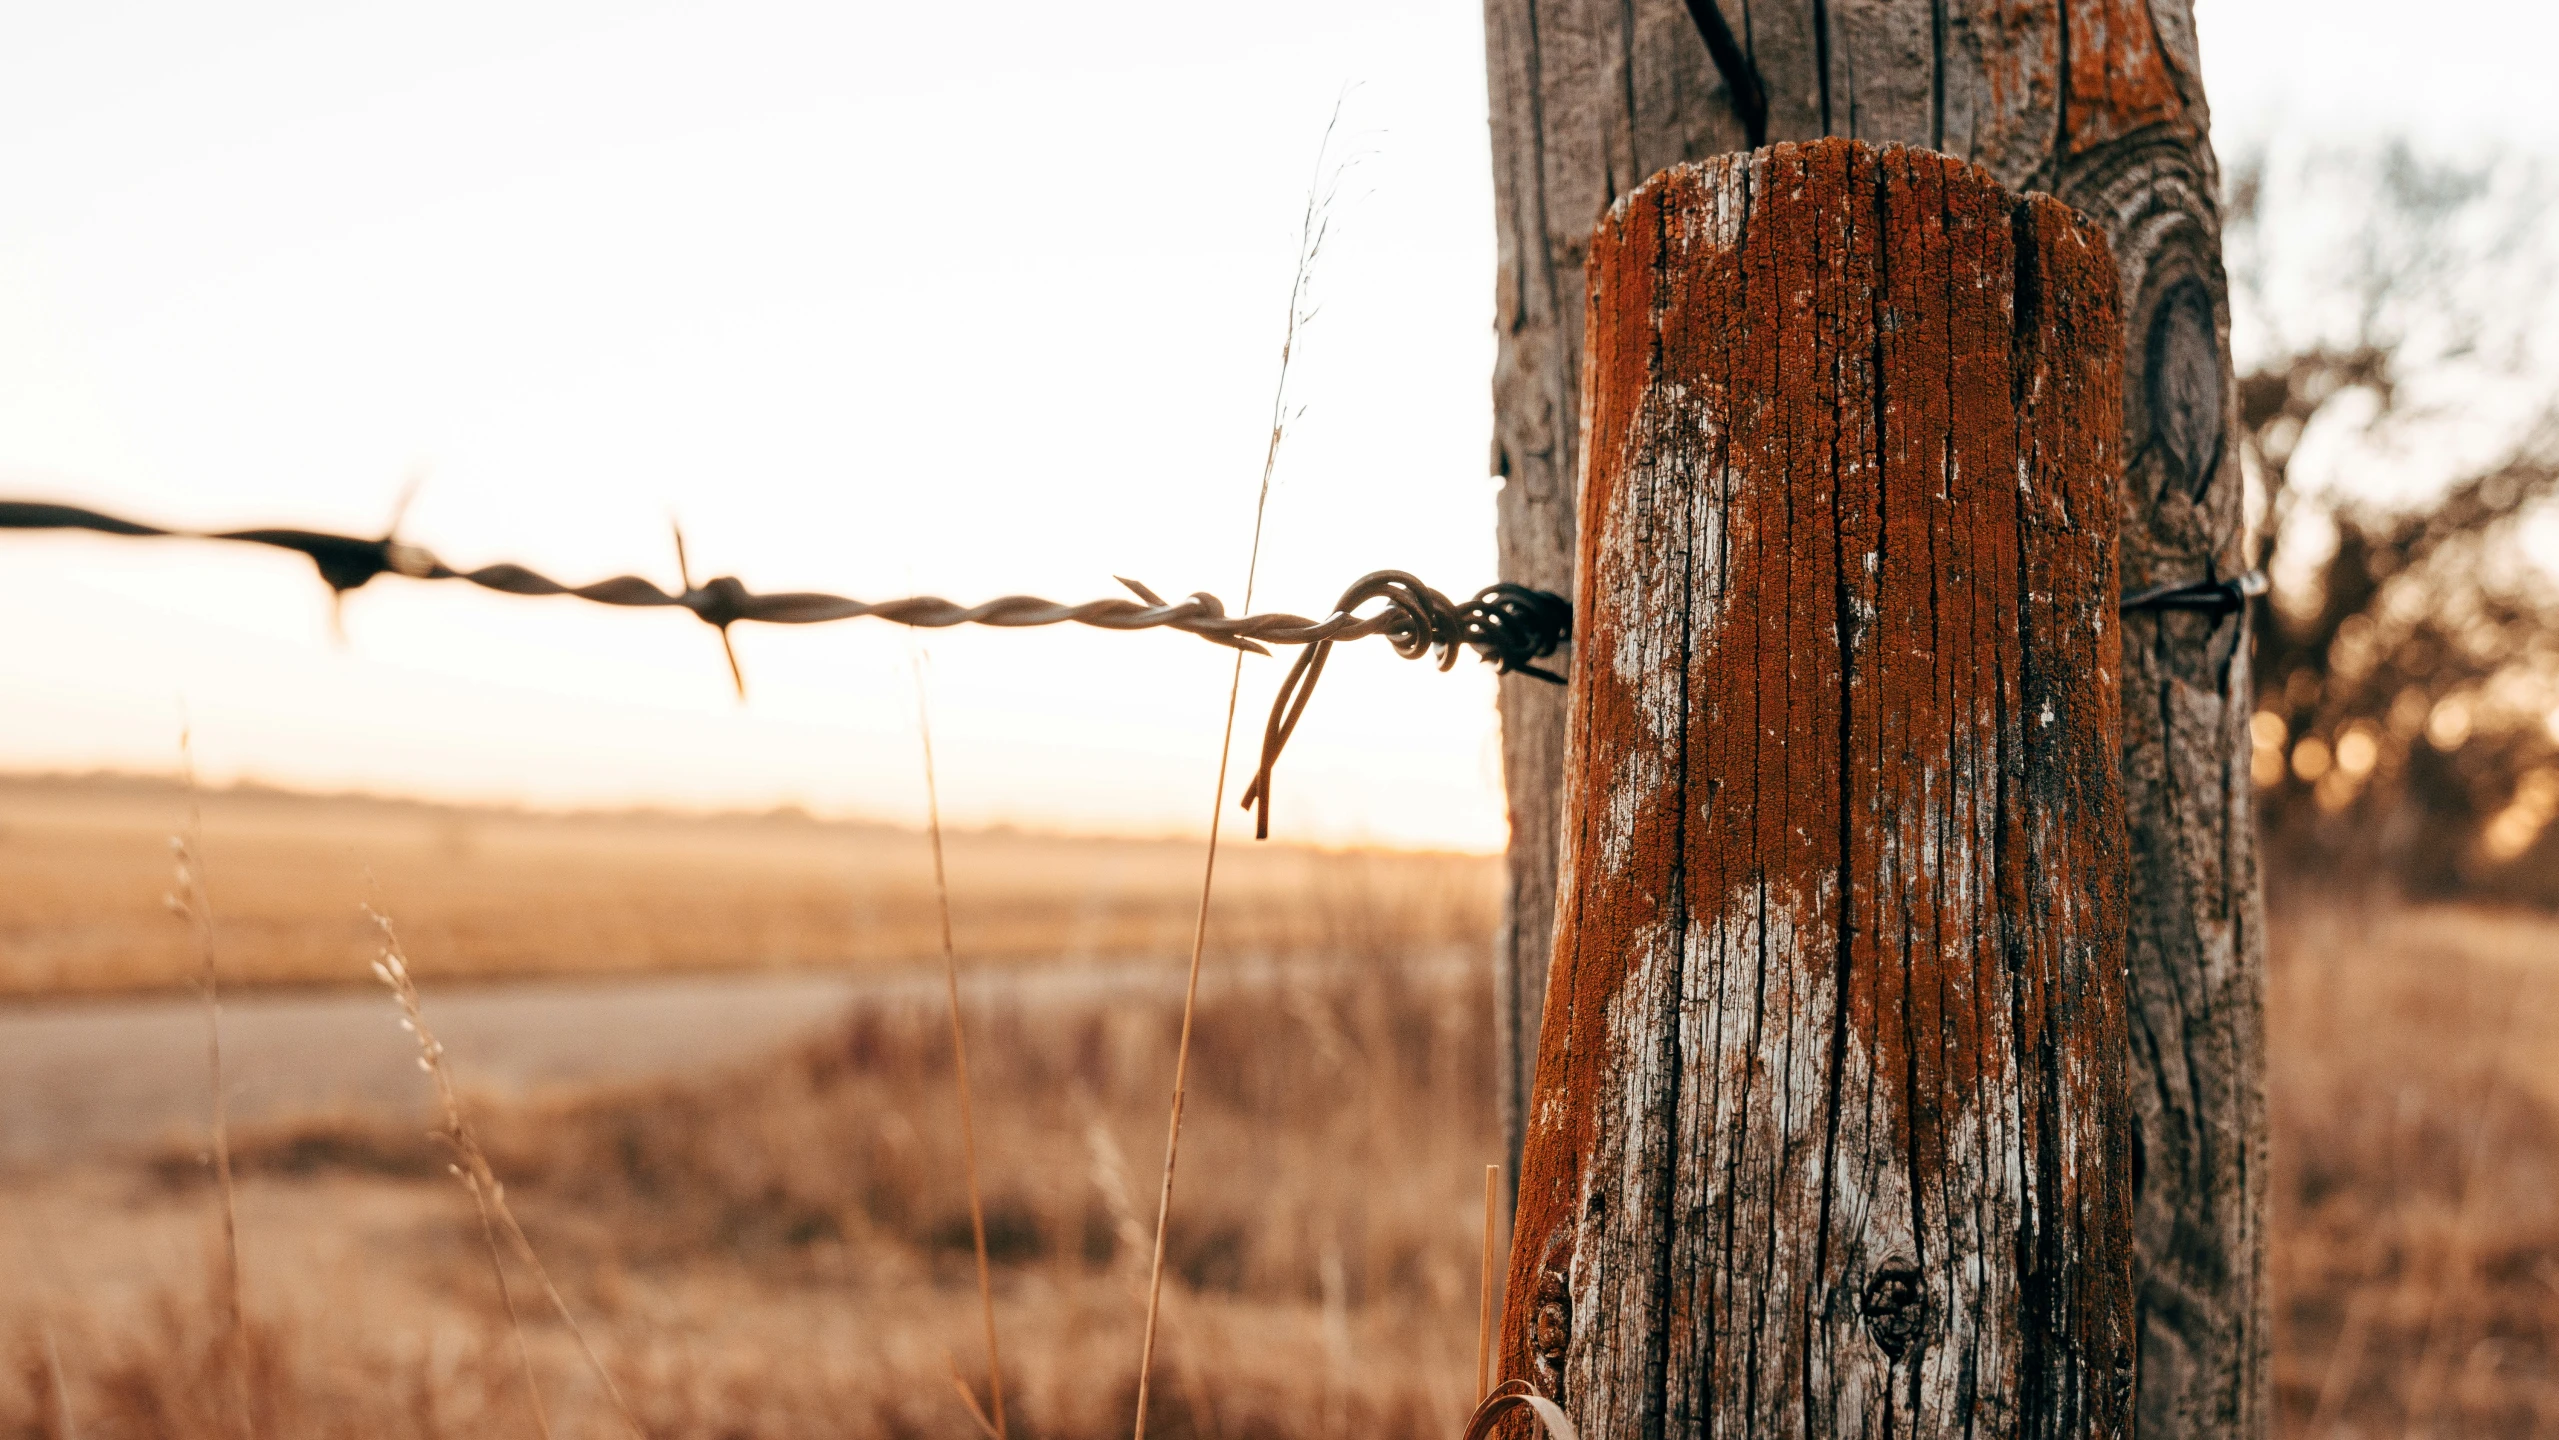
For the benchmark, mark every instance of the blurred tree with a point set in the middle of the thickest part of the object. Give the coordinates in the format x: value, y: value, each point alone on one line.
x: 2399, y: 425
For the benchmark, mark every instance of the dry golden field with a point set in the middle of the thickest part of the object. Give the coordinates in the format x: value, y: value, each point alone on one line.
x: 2413, y: 1082
x: 779, y: 1247
x: 85, y: 862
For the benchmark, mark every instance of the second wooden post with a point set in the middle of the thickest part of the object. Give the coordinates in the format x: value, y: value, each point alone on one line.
x: 1829, y: 1134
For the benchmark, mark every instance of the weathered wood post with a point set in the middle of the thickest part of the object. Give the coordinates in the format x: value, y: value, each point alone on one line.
x: 1829, y: 1132
x: 2102, y: 103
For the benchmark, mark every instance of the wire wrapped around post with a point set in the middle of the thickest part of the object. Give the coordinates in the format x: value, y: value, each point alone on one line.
x: 1510, y: 626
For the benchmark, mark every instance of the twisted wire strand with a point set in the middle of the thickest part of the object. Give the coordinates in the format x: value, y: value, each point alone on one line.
x: 348, y: 562
x: 1510, y: 626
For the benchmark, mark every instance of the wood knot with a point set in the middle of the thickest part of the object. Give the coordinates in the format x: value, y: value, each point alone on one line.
x: 1895, y: 1306
x: 2182, y: 371
x: 1554, y: 1331
x: 1550, y: 1332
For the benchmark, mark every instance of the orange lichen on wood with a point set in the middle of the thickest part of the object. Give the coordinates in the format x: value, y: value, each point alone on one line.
x: 1828, y: 1129
x: 2118, y: 79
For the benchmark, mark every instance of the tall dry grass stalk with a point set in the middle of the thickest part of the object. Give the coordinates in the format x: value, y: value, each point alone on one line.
x: 60, y: 1387
x: 1484, y: 1301
x: 469, y: 1163
x: 192, y: 902
x: 1313, y: 224
x: 994, y: 1425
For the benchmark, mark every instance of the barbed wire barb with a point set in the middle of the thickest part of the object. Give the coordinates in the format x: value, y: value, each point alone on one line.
x: 684, y: 574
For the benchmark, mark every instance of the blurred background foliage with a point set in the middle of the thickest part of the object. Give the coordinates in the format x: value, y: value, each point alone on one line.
x: 2399, y: 422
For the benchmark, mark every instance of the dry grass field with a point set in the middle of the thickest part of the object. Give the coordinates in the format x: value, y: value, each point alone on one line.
x: 2414, y: 1090
x: 85, y: 862
x: 780, y: 1248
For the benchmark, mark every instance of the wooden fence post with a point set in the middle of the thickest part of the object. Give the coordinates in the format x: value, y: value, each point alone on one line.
x: 1828, y: 1134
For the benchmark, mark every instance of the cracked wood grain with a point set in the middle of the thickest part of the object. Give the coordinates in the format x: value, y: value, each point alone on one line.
x: 1829, y: 1131
x: 2100, y: 103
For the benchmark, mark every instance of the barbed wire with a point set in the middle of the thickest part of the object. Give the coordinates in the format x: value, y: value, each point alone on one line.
x: 1510, y: 626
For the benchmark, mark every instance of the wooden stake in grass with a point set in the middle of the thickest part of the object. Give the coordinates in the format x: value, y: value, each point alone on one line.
x: 1312, y: 226
x: 189, y: 901
x: 993, y: 1423
x: 1830, y: 1133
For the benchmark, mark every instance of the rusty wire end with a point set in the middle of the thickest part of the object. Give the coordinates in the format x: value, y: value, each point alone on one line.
x: 1507, y: 625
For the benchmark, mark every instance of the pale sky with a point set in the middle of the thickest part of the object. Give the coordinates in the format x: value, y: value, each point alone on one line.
x: 962, y: 299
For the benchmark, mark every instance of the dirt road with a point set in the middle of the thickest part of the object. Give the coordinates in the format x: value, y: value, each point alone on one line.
x: 94, y: 1076
x: 86, y: 1078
